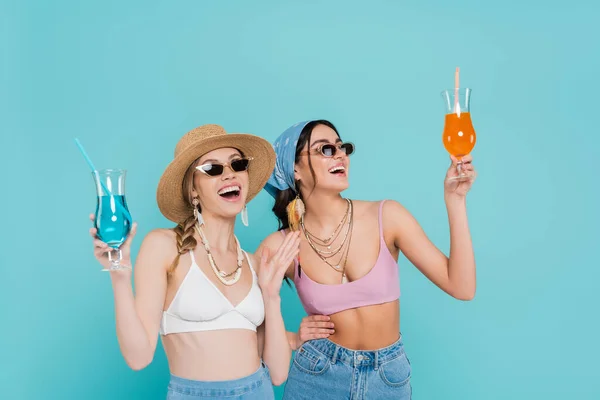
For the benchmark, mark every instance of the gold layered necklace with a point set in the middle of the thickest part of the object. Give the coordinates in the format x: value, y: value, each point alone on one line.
x: 327, y: 253
x: 326, y: 242
x: 222, y: 275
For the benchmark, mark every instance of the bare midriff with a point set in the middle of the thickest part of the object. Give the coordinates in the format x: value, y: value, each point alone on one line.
x: 367, y: 328
x: 212, y: 355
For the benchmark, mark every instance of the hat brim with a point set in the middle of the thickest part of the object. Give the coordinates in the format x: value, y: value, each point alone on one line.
x: 169, y: 194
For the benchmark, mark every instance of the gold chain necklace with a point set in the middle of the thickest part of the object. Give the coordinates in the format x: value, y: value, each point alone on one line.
x: 336, y: 232
x: 222, y: 275
x: 342, y: 267
x: 324, y: 242
x: 326, y: 253
x: 339, y: 267
x: 344, y: 277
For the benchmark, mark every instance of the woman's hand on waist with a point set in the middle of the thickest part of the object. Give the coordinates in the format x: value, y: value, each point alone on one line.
x: 314, y: 327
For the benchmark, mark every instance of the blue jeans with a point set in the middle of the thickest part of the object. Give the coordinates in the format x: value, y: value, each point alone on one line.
x: 323, y: 370
x: 253, y: 387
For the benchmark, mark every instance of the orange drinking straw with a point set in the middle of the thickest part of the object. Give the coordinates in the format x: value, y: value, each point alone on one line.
x: 456, y: 86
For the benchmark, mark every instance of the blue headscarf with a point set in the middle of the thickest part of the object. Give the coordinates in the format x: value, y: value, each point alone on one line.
x: 282, y: 177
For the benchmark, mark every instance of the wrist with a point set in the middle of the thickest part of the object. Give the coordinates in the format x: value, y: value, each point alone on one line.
x: 454, y: 201
x: 121, y: 276
x: 271, y: 300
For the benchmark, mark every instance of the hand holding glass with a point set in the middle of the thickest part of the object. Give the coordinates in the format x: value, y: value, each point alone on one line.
x: 112, y: 220
x: 459, y: 135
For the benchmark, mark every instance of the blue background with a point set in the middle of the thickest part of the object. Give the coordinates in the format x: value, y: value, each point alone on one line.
x: 130, y: 78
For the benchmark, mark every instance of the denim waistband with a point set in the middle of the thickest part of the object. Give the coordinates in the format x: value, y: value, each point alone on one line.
x: 250, y: 382
x: 355, y: 358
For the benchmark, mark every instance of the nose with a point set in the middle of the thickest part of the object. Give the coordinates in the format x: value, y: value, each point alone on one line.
x: 339, y: 154
x: 228, y: 173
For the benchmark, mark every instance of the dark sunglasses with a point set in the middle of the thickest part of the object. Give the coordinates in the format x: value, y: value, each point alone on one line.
x: 216, y: 169
x: 330, y: 150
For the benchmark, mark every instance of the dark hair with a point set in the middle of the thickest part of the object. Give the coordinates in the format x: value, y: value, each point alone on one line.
x: 284, y: 197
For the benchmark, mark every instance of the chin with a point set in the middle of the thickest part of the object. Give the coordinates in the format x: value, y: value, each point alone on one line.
x: 229, y: 212
x: 233, y: 208
x: 342, y: 188
x: 230, y: 215
x: 336, y: 187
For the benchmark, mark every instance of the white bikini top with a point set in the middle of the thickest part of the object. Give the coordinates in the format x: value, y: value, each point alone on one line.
x: 199, y: 305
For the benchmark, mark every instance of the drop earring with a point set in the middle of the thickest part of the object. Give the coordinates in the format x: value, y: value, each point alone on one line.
x: 295, y: 211
x: 197, y: 214
x: 244, y: 215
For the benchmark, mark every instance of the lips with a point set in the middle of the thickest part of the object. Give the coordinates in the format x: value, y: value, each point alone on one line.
x: 230, y: 192
x: 338, y: 169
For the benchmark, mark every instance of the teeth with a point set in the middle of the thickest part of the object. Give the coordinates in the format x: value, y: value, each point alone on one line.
x: 229, y: 189
x: 338, y: 168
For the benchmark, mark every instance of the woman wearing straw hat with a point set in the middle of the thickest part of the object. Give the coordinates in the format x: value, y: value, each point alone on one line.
x: 348, y: 282
x: 216, y: 307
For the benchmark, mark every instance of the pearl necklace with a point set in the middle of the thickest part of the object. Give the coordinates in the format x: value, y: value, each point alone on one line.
x: 222, y: 275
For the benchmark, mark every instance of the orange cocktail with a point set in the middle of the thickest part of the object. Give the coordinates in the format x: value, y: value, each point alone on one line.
x: 459, y: 136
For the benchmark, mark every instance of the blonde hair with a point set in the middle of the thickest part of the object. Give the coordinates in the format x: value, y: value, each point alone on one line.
x: 184, y: 231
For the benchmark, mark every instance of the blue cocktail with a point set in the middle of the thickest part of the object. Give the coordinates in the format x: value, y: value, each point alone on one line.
x: 113, y: 220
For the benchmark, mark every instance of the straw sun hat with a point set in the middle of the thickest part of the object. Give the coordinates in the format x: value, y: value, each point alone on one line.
x: 195, y: 144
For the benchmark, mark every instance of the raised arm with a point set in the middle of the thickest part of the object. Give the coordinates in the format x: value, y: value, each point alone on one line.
x: 138, y: 317
x: 455, y: 274
x: 276, y: 351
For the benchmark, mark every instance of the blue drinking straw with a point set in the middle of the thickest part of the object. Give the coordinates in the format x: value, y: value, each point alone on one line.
x: 89, y: 161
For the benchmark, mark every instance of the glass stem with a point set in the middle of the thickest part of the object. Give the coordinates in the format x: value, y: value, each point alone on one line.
x: 115, y: 257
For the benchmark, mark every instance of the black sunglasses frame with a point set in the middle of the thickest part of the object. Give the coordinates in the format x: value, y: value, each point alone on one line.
x: 217, y: 169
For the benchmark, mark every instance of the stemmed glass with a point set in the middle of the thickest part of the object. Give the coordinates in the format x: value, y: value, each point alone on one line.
x: 113, y: 220
x: 459, y: 135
